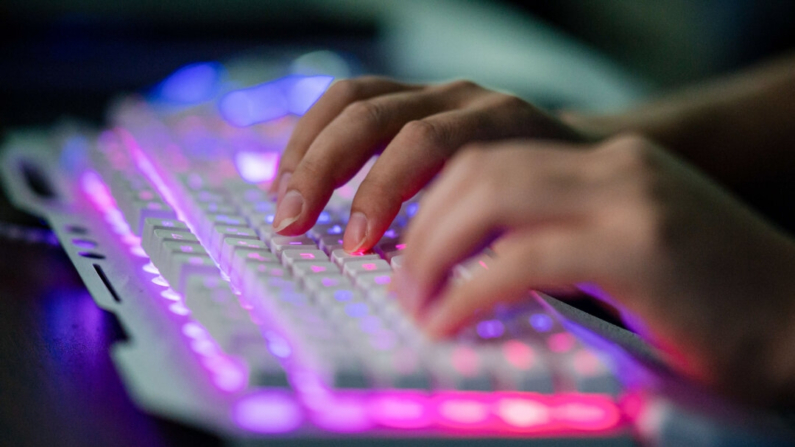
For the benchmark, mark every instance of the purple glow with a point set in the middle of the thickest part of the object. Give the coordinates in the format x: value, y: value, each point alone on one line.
x: 541, y: 322
x: 170, y: 295
x: 343, y: 295
x: 160, y: 281
x: 401, y: 410
x: 463, y: 410
x: 383, y: 280
x: 343, y: 413
x: 490, y: 329
x: 267, y: 412
x: 257, y: 167
x: 190, y: 84
x: 150, y: 268
x: 275, y: 99
x: 179, y: 309
x: 412, y: 208
x: 324, y: 217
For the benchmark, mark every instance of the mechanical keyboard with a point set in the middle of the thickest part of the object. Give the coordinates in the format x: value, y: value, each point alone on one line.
x: 263, y: 337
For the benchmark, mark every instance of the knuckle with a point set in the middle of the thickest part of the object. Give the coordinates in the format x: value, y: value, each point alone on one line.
x: 632, y: 154
x: 510, y: 101
x: 425, y: 131
x: 462, y: 84
x: 345, y: 90
x: 369, y: 113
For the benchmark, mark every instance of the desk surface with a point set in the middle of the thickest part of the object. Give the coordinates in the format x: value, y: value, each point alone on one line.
x: 58, y: 385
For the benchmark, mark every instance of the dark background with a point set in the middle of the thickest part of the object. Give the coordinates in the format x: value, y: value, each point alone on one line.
x: 57, y: 384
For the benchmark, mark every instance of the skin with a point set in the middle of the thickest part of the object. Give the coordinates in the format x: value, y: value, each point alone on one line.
x: 572, y: 200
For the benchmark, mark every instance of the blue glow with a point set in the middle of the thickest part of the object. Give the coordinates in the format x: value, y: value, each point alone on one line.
x: 324, y: 217
x: 343, y: 295
x: 411, y: 209
x: 272, y: 100
x: 541, y: 322
x: 190, y: 84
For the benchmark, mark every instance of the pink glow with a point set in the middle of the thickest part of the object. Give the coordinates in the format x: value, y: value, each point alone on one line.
x: 525, y: 413
x: 229, y: 376
x: 160, y: 281
x: 295, y: 243
x: 383, y: 280
x: 307, y: 256
x: 463, y: 410
x: 138, y: 251
x: 465, y: 360
x: 179, y: 309
x: 170, y: 295
x: 131, y: 239
x: 401, y: 410
x: 518, y: 354
x: 586, y: 362
x: 400, y: 246
x: 344, y: 413
x: 268, y: 412
x: 193, y: 330
x: 318, y: 268
x: 561, y: 342
x: 369, y: 266
x: 483, y: 264
x: 588, y: 412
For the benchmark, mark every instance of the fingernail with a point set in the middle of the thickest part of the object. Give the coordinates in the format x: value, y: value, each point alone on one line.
x: 283, y: 182
x: 289, y: 210
x: 355, y: 232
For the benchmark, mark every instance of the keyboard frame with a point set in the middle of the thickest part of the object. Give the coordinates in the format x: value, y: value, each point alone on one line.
x: 152, y: 376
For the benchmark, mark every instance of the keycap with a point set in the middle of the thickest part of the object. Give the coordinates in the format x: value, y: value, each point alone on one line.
x: 589, y: 373
x: 373, y: 280
x: 231, y: 244
x: 519, y: 366
x: 389, y: 249
x: 318, y: 282
x: 355, y: 267
x: 183, y: 265
x: 301, y: 269
x: 221, y: 232
x: 139, y: 210
x: 152, y: 223
x: 461, y: 367
x: 320, y: 231
x: 340, y: 257
x: 291, y: 256
x: 330, y: 243
x: 169, y: 248
x: 396, y: 262
x: 470, y: 268
x: 242, y: 256
x: 281, y: 243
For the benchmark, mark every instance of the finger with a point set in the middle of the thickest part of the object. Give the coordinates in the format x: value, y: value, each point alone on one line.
x: 420, y: 150
x: 341, y: 94
x: 533, y: 260
x: 342, y: 148
x: 464, y: 212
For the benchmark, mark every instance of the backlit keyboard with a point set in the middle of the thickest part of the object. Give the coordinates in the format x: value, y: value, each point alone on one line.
x: 252, y: 334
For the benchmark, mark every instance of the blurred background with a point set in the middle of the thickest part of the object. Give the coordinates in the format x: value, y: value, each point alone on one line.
x: 72, y: 56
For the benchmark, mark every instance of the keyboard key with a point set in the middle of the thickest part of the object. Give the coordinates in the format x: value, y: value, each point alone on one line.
x: 318, y: 282
x: 519, y: 366
x: 281, y: 243
x: 232, y: 244
x: 291, y: 256
x: 301, y: 269
x: 355, y: 267
x: 461, y: 367
x: 183, y: 265
x: 152, y: 223
x: 220, y: 232
x: 330, y: 243
x: 340, y: 257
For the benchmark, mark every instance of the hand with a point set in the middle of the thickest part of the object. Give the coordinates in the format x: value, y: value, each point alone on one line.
x: 711, y: 281
x: 421, y: 126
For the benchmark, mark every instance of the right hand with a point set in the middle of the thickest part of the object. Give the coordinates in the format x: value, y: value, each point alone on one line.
x: 422, y: 126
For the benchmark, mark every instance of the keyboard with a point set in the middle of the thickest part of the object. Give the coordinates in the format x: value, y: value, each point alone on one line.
x: 252, y: 335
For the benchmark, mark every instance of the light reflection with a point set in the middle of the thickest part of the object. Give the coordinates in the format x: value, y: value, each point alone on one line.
x: 268, y: 412
x: 272, y: 100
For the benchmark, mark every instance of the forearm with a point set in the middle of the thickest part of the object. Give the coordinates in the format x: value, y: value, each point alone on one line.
x: 738, y: 128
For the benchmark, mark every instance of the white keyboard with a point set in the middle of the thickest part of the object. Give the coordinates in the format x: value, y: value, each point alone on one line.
x: 245, y: 332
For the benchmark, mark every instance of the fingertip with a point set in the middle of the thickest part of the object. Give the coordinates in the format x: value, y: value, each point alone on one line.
x: 355, y: 238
